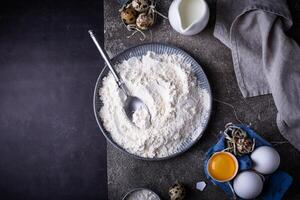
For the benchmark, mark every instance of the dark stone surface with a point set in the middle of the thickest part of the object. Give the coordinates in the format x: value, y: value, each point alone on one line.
x: 125, y: 172
x: 50, y: 145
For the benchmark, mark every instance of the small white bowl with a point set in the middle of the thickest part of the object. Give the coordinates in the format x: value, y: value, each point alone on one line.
x: 128, y: 194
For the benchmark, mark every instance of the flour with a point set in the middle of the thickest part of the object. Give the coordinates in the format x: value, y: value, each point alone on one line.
x: 142, y: 195
x: 141, y: 117
x: 168, y: 87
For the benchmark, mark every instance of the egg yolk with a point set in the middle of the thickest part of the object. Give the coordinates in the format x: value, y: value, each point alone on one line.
x: 222, y: 166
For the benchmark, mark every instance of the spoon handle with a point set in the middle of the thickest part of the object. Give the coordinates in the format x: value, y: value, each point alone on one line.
x: 106, y: 59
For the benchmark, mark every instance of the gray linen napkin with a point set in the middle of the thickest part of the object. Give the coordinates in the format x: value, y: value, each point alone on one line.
x: 265, y: 59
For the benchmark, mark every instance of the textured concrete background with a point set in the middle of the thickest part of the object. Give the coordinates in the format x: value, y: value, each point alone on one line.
x: 125, y: 172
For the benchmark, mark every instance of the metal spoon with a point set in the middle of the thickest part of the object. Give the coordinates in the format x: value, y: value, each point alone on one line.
x: 132, y: 103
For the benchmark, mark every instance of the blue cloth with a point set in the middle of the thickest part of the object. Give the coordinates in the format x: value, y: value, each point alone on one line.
x: 275, y: 184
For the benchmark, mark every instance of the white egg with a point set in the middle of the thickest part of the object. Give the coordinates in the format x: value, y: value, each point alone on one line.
x: 248, y: 185
x: 265, y: 160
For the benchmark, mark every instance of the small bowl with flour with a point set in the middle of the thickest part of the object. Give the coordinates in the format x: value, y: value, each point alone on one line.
x: 141, y: 194
x: 174, y: 88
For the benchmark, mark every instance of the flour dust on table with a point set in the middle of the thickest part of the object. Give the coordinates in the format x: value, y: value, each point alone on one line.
x: 176, y: 104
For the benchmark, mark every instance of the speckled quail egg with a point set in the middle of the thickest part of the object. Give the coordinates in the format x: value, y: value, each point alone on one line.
x: 144, y: 21
x: 128, y: 15
x: 177, y: 192
x: 265, y: 159
x: 141, y: 5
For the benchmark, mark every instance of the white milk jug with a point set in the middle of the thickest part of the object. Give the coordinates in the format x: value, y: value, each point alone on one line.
x: 188, y: 17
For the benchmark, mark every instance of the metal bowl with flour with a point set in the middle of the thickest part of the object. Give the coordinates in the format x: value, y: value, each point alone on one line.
x: 157, y: 48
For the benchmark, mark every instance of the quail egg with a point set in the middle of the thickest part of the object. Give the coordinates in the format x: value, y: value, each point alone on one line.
x: 141, y: 5
x: 177, y: 192
x: 128, y: 15
x: 144, y: 21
